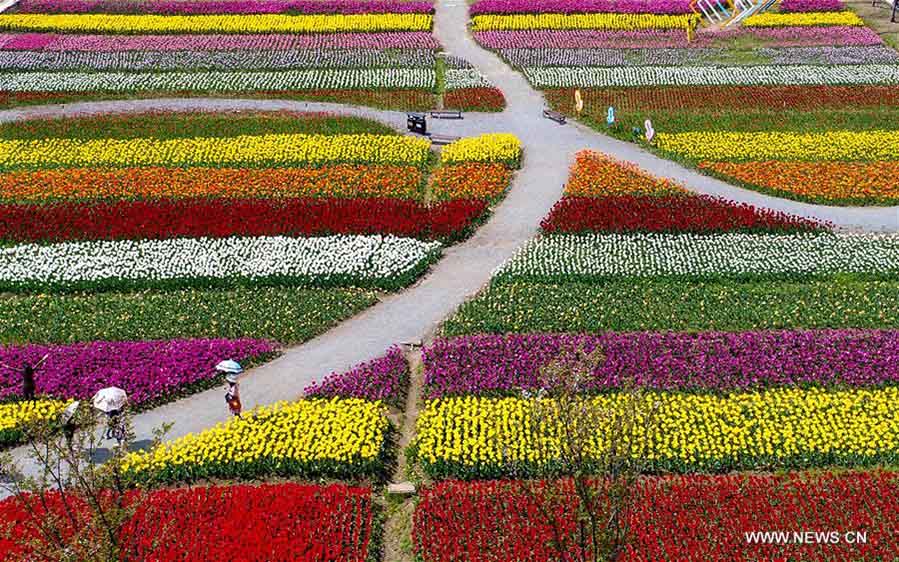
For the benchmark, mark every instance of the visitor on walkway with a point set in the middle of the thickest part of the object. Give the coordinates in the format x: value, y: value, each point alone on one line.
x: 232, y: 395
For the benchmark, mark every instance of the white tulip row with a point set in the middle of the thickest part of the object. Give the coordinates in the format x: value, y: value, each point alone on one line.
x: 731, y: 254
x: 458, y: 78
x: 420, y: 78
x: 560, y: 77
x: 329, y: 259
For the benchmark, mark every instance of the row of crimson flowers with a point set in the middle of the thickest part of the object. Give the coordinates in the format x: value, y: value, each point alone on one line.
x: 209, y: 217
x: 666, y: 213
x: 286, y: 521
x: 670, y: 518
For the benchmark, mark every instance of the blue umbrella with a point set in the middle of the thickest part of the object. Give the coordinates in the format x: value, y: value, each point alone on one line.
x: 229, y: 366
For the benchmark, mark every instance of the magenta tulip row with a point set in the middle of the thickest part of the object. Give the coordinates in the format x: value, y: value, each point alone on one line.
x: 505, y: 364
x: 581, y: 7
x: 592, y: 39
x: 169, y: 7
x: 146, y: 370
x: 274, y: 42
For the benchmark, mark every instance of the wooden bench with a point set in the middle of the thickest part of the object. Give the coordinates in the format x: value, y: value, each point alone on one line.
x: 446, y: 113
x: 443, y: 139
x: 554, y: 116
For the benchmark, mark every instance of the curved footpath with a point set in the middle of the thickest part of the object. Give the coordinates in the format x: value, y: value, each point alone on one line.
x: 413, y: 314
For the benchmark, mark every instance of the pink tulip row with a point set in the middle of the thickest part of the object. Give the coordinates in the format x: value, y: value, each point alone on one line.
x: 226, y: 6
x: 274, y: 42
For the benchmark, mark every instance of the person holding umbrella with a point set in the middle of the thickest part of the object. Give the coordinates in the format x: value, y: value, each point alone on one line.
x: 111, y: 401
x: 68, y: 422
x: 232, y: 392
x: 28, y: 386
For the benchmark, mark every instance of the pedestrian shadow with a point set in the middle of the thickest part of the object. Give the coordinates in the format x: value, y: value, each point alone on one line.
x: 102, y: 454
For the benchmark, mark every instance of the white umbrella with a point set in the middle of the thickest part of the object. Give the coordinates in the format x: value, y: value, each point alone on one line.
x: 69, y: 412
x: 229, y: 366
x: 109, y: 399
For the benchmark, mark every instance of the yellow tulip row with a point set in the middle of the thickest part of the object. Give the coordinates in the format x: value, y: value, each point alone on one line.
x: 492, y: 147
x: 829, y: 145
x: 215, y: 151
x: 774, y: 19
x: 252, y: 23
x: 683, y: 431
x: 14, y: 415
x: 605, y: 21
x: 342, y: 431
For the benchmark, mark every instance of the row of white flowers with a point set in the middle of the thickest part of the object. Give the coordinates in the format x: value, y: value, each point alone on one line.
x: 458, y: 78
x: 732, y: 254
x: 224, y: 81
x: 327, y: 260
x: 216, y: 60
x: 559, y: 77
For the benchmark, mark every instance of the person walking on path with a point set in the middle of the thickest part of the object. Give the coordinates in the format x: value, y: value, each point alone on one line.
x: 232, y: 394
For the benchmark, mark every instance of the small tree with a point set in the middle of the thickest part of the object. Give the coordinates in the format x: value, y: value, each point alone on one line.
x: 79, y: 500
x: 597, y: 443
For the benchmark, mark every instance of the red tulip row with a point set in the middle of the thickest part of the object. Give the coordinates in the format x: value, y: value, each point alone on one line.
x: 235, y: 523
x: 671, y: 213
x: 168, y: 218
x: 847, y: 516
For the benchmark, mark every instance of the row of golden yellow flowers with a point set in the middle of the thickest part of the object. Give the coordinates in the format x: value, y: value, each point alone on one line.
x: 252, y: 150
x: 484, y: 436
x: 241, y: 23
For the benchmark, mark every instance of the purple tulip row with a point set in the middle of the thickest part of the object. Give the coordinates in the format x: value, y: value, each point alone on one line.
x: 275, y: 42
x: 147, y: 370
x: 654, y: 39
x: 384, y: 378
x: 168, y: 7
x: 666, y: 361
x: 581, y: 7
x: 812, y: 6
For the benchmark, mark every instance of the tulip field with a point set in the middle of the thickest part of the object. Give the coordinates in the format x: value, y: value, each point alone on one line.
x: 139, y: 251
x: 778, y: 104
x: 351, y: 51
x: 763, y: 344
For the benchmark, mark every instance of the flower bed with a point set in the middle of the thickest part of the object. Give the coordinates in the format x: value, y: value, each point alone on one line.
x: 215, y: 218
x: 147, y: 370
x: 581, y: 7
x: 772, y: 145
x: 812, y: 6
x: 474, y: 180
x: 827, y: 182
x: 211, y: 42
x: 384, y: 378
x: 334, y: 181
x: 776, y: 428
x: 169, y: 7
x: 564, y: 77
x: 675, y: 519
x: 147, y: 61
x: 475, y: 99
x: 343, y: 438
x: 647, y: 304
x: 285, y: 314
x: 14, y: 415
x: 661, y: 39
x: 595, y: 257
x: 222, y: 81
x: 287, y: 521
x: 501, y: 148
x: 249, y: 150
x: 364, y: 261
x: 710, y: 361
x: 257, y: 23
x: 610, y: 22
x: 646, y: 213
x: 774, y: 19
